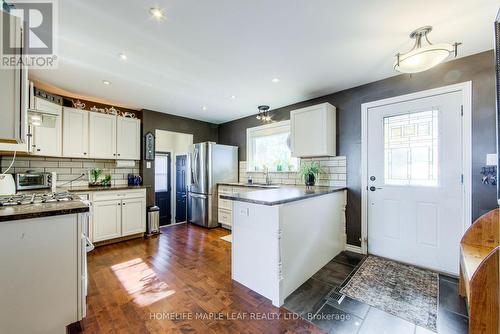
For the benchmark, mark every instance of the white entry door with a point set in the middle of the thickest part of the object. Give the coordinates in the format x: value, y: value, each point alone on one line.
x: 415, y: 181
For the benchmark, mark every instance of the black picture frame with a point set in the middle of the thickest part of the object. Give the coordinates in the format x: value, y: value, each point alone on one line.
x: 497, y: 90
x: 149, y: 146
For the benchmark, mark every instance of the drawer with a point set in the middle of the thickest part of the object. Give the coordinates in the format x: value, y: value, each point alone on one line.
x: 225, y: 204
x: 225, y: 190
x: 225, y: 217
x: 108, y: 195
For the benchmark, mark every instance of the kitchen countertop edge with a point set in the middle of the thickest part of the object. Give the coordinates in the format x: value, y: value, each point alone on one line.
x: 247, y: 197
x: 64, y: 209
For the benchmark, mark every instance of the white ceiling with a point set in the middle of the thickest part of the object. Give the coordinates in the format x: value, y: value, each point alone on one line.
x: 204, y: 52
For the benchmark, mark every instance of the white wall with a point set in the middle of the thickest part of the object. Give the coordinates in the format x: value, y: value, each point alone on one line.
x: 176, y: 143
x: 167, y: 141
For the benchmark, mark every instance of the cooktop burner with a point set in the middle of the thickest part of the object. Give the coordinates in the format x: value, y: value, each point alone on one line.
x: 35, y: 198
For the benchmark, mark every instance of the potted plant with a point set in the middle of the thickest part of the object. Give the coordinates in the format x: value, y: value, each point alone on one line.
x: 94, y: 176
x: 309, y: 172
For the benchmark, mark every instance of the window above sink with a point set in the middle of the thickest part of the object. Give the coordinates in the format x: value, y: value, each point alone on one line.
x: 268, y: 147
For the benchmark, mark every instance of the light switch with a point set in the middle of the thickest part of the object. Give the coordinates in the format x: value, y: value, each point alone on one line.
x: 148, y: 164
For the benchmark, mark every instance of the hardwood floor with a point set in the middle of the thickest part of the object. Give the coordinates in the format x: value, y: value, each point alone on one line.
x: 178, y: 282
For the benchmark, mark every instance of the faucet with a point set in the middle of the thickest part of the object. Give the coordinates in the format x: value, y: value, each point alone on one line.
x: 266, y: 175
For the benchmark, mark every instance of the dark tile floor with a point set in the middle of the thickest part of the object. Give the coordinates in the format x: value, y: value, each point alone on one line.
x: 317, y: 301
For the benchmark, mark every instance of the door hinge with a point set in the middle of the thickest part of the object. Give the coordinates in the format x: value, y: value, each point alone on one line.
x: 461, y: 110
x: 462, y: 179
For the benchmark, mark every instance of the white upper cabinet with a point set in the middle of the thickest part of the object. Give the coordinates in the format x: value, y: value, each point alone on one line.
x: 313, y: 131
x: 47, y: 137
x: 128, y: 138
x: 75, y: 133
x: 102, y: 143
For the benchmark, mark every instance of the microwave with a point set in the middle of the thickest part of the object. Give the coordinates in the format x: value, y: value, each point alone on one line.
x: 31, y: 180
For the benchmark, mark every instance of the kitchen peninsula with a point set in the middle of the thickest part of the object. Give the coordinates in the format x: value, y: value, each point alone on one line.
x: 282, y: 236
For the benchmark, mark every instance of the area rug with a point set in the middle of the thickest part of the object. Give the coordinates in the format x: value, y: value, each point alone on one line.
x: 228, y: 238
x: 402, y: 290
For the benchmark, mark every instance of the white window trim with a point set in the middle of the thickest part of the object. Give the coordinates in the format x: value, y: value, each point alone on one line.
x: 466, y: 89
x: 268, y: 128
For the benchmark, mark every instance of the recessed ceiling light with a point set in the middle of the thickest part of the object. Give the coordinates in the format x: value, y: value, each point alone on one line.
x: 122, y: 56
x: 275, y: 80
x: 233, y: 97
x: 156, y: 13
x: 203, y: 108
x: 106, y: 82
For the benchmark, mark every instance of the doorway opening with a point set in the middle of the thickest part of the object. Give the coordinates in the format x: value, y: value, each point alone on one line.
x: 171, y: 175
x: 163, y: 188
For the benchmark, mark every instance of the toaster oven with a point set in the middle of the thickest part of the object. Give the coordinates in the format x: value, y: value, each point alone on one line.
x: 33, y: 180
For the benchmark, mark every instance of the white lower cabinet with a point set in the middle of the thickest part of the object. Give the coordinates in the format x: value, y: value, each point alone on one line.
x: 107, y: 220
x: 118, y: 214
x: 225, y: 206
x: 133, y: 216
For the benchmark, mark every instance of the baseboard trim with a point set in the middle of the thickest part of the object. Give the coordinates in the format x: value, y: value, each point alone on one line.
x: 352, y: 248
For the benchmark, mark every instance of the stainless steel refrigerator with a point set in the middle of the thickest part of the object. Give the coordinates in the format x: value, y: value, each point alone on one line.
x: 210, y: 164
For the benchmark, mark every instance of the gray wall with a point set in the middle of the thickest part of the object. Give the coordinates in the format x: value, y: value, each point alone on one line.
x: 478, y: 68
x: 152, y: 120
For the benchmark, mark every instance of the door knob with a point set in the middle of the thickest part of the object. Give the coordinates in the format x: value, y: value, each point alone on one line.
x: 372, y: 188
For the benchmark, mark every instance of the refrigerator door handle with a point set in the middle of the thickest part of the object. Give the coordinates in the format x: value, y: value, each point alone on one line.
x: 194, y: 168
x: 198, y: 195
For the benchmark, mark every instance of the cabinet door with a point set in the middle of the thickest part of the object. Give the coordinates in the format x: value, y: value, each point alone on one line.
x: 47, y: 137
x: 47, y: 106
x: 313, y: 131
x: 133, y: 216
x: 102, y: 136
x: 75, y: 133
x: 128, y: 138
x: 106, y: 220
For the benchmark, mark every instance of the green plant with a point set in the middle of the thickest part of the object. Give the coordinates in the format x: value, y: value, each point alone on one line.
x: 310, y: 168
x: 107, y: 180
x: 95, y: 174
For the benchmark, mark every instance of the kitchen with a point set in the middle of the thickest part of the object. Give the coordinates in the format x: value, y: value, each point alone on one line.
x: 164, y: 194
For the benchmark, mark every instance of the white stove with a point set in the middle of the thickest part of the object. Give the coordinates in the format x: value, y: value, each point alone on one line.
x: 36, y: 198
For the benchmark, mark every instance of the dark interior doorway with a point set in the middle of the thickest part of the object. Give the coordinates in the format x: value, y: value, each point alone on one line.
x: 180, y: 188
x: 163, y: 188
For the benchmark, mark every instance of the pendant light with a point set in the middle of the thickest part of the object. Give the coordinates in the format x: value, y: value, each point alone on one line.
x: 263, y: 114
x: 423, y: 57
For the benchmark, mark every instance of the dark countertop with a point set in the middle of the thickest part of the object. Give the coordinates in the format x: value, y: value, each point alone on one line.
x: 250, y: 185
x: 84, y: 189
x: 100, y: 188
x: 282, y: 195
x: 16, y: 212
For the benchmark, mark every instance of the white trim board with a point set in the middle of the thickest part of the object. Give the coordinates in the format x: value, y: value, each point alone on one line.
x: 466, y: 89
x: 354, y: 249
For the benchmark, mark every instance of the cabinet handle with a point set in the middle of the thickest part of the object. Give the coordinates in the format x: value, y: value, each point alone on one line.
x: 119, y: 154
x: 119, y: 204
x: 84, y: 153
x: 123, y: 204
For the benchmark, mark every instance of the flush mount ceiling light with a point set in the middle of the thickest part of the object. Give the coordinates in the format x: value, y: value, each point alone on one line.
x: 203, y: 108
x: 106, y: 82
x: 156, y: 13
x: 233, y: 97
x: 263, y: 114
x: 122, y: 56
x: 423, y: 57
x: 275, y: 80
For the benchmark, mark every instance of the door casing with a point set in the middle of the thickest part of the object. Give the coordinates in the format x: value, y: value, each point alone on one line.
x: 466, y: 89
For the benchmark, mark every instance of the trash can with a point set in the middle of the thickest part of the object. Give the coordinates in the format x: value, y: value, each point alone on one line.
x: 153, y: 226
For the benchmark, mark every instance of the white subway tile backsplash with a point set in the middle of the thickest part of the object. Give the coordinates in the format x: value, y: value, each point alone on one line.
x: 69, y: 169
x: 333, y: 173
